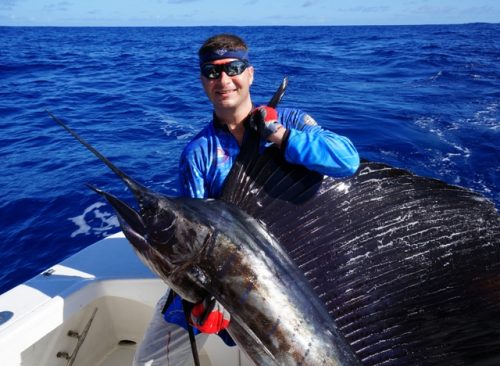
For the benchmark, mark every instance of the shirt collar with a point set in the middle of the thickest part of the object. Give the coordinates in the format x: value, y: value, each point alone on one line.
x: 220, y: 125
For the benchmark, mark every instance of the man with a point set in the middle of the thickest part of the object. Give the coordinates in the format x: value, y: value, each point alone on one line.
x: 226, y: 76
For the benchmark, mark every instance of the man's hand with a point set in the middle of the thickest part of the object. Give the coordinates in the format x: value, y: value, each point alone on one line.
x: 209, y: 316
x: 265, y: 121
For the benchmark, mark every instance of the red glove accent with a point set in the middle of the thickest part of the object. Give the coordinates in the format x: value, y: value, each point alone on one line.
x: 269, y: 114
x: 209, y: 316
x: 264, y: 120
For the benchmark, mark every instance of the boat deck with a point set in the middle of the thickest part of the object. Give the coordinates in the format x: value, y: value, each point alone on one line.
x: 35, y: 317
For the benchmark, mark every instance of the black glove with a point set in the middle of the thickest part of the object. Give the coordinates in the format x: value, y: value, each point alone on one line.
x: 264, y: 120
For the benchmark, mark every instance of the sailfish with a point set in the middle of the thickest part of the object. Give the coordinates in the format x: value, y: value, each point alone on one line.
x: 384, y: 267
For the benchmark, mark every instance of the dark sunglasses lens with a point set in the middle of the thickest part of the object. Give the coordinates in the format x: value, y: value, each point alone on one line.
x: 210, y: 71
x: 235, y: 68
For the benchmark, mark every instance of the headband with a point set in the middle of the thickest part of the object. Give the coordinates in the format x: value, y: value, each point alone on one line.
x: 222, y: 53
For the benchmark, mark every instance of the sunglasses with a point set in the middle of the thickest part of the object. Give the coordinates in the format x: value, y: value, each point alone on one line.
x: 232, y: 68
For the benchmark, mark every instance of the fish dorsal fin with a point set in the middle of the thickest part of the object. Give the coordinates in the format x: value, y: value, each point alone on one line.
x: 397, y: 259
x: 260, y: 183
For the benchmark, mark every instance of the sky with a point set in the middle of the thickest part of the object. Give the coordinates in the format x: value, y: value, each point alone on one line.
x: 244, y: 12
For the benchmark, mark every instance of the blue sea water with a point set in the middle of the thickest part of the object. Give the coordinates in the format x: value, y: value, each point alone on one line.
x: 424, y: 98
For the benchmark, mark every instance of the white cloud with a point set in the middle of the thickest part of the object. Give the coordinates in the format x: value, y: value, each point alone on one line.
x: 309, y: 3
x: 59, y: 6
x: 365, y: 9
x: 181, y: 1
x: 7, y: 4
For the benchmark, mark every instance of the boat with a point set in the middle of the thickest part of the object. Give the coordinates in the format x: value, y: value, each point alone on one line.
x: 92, y: 309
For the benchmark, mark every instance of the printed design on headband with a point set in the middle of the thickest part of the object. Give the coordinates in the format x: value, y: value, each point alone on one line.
x: 308, y: 120
x: 221, y: 51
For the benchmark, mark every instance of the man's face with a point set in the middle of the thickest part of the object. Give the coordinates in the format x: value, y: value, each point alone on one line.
x: 229, y: 92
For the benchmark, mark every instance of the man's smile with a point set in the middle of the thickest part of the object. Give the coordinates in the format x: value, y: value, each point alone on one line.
x: 225, y: 92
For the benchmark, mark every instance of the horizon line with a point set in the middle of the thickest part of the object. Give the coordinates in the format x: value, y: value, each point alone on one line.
x: 239, y: 26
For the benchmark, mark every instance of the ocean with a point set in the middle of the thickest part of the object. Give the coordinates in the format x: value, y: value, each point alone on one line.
x: 423, y: 98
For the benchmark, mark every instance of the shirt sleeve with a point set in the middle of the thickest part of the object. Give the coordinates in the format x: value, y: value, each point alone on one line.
x: 191, y: 181
x: 318, y: 149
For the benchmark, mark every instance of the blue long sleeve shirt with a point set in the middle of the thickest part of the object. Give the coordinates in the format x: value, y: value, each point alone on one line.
x: 208, y: 158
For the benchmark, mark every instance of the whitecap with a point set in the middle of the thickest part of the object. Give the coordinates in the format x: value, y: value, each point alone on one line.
x: 94, y: 221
